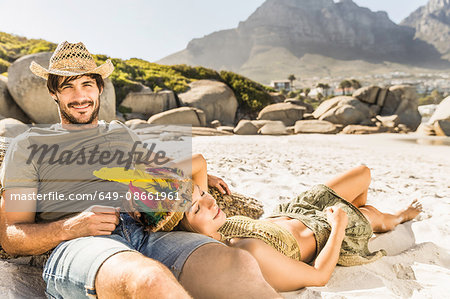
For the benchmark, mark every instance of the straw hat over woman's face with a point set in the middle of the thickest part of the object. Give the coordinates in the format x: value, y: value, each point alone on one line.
x: 72, y: 60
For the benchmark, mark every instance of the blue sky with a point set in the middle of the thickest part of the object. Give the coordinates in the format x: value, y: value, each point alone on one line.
x: 149, y: 29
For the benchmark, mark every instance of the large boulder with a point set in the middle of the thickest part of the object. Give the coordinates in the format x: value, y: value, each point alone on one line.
x: 228, y: 129
x: 31, y: 94
x: 439, y: 121
x: 358, y: 129
x: 10, y: 127
x: 390, y: 104
x: 381, y: 97
x: 407, y: 108
x: 108, y: 102
x: 286, y: 112
x: 442, y: 111
x: 148, y: 103
x: 273, y: 128
x: 19, y: 280
x: 309, y: 107
x: 390, y: 121
x: 367, y: 94
x: 400, y: 100
x: 215, y: 98
x: 327, y: 105
x: 442, y: 127
x: 426, y: 129
x: 180, y: 116
x: 315, y: 126
x: 347, y: 111
x: 8, y: 107
x: 134, y: 115
x: 202, y: 131
x: 277, y: 97
x: 245, y: 127
x: 136, y: 123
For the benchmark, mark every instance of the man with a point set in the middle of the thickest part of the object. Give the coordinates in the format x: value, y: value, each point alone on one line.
x: 98, y: 252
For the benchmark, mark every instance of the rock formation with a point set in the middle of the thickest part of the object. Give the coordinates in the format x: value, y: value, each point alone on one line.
x: 369, y: 106
x: 278, y: 36
x: 432, y: 24
x: 215, y: 98
x: 315, y: 126
x: 439, y: 123
x: 180, y: 116
x: 286, y: 112
x: 31, y: 94
x: 147, y: 102
x: 9, y: 108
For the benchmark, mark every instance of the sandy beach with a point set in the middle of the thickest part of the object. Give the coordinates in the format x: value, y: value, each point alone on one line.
x: 274, y: 169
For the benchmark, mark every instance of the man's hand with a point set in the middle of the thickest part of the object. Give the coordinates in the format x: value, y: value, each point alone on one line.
x: 214, y: 181
x: 95, y: 221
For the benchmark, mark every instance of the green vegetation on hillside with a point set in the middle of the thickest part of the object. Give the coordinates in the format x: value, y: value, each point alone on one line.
x: 251, y: 96
x: 13, y: 47
x: 434, y: 98
x: 130, y: 75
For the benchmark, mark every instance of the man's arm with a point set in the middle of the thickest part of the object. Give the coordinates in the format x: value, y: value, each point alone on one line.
x: 20, y: 235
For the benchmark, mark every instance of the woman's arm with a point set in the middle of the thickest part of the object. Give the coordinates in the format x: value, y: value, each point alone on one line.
x: 195, y: 166
x: 285, y: 274
x: 327, y: 259
x: 198, y: 167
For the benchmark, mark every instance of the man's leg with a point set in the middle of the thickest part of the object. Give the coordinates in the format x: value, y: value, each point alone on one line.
x: 78, y: 267
x: 217, y: 271
x: 132, y: 275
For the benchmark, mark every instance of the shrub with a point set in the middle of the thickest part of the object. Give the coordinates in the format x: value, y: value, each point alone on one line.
x: 251, y: 96
x: 292, y: 94
x: 4, y: 65
x: 197, y: 72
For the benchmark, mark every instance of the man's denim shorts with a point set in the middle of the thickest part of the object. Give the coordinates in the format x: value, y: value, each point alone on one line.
x: 73, y: 265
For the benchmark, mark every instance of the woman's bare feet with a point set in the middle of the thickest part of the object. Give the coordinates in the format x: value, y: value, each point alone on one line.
x: 410, y: 212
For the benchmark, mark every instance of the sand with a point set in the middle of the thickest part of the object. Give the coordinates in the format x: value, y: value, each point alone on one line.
x: 274, y: 169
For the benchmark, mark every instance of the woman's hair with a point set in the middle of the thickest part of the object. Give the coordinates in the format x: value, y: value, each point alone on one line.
x: 184, y: 225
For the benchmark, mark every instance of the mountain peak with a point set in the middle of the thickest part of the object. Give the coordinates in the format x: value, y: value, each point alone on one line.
x: 434, y: 5
x: 290, y: 30
x: 432, y: 24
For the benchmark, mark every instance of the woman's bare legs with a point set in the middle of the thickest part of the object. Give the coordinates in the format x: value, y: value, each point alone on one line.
x: 353, y: 186
x: 384, y: 222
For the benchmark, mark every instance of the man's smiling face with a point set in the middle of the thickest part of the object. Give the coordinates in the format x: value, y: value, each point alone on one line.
x: 78, y: 100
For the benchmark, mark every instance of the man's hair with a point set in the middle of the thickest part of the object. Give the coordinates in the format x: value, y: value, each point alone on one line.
x: 54, y: 82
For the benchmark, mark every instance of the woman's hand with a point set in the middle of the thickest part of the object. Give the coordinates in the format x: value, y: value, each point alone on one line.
x: 220, y: 184
x: 337, y: 218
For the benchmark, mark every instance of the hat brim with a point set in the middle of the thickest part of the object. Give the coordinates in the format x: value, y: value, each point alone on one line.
x: 103, y: 70
x: 170, y: 223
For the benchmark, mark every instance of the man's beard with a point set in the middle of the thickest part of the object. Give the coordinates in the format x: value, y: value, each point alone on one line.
x: 72, y: 120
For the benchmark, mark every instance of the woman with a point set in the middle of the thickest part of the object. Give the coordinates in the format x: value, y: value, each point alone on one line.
x: 300, y: 244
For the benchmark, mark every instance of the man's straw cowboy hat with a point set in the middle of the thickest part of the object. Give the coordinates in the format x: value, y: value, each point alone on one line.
x: 72, y: 60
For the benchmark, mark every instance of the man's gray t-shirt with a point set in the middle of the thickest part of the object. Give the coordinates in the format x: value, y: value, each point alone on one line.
x: 71, y: 157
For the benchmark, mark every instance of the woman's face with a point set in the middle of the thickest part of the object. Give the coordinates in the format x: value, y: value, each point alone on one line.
x: 204, y: 216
